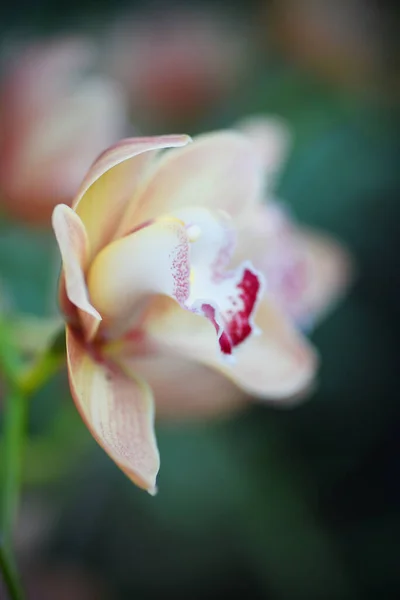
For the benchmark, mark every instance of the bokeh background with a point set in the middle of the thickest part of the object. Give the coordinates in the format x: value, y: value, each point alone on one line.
x: 271, y: 503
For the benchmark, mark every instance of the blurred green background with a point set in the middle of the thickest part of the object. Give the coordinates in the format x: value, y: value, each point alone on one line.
x: 273, y: 503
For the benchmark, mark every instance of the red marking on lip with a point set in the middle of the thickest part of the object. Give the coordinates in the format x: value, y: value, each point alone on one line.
x: 238, y: 326
x: 236, y: 321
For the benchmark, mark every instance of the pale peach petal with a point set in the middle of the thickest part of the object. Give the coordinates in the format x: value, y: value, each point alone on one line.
x: 73, y: 243
x: 185, y: 390
x: 330, y: 271
x: 111, y: 182
x: 118, y: 410
x: 271, y: 139
x: 152, y: 260
x: 278, y: 364
x: 219, y: 171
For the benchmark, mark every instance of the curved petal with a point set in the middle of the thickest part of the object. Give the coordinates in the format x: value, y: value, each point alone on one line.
x: 152, y: 260
x: 278, y: 364
x: 111, y: 182
x: 219, y: 171
x: 74, y: 247
x: 329, y: 273
x: 118, y: 410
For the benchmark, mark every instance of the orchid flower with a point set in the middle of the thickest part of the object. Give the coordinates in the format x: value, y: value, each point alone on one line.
x: 56, y: 116
x: 147, y: 280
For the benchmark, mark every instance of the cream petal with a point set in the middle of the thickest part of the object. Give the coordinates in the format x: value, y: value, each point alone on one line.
x: 219, y: 171
x: 152, y: 260
x: 277, y: 364
x: 110, y: 184
x: 185, y: 390
x: 118, y: 410
x: 74, y: 247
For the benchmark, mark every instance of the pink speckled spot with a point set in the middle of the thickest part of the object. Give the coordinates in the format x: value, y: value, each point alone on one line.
x: 181, y: 269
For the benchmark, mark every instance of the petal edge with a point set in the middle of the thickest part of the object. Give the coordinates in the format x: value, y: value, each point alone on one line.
x: 118, y: 411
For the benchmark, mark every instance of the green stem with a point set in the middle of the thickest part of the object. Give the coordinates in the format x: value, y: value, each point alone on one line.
x: 20, y: 385
x: 10, y: 574
x: 15, y: 416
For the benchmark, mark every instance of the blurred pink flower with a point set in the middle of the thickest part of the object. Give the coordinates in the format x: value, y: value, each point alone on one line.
x: 177, y: 64
x: 150, y: 304
x: 55, y: 118
x: 340, y: 41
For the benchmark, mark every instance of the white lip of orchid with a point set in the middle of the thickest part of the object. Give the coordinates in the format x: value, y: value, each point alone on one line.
x: 231, y: 359
x: 193, y: 232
